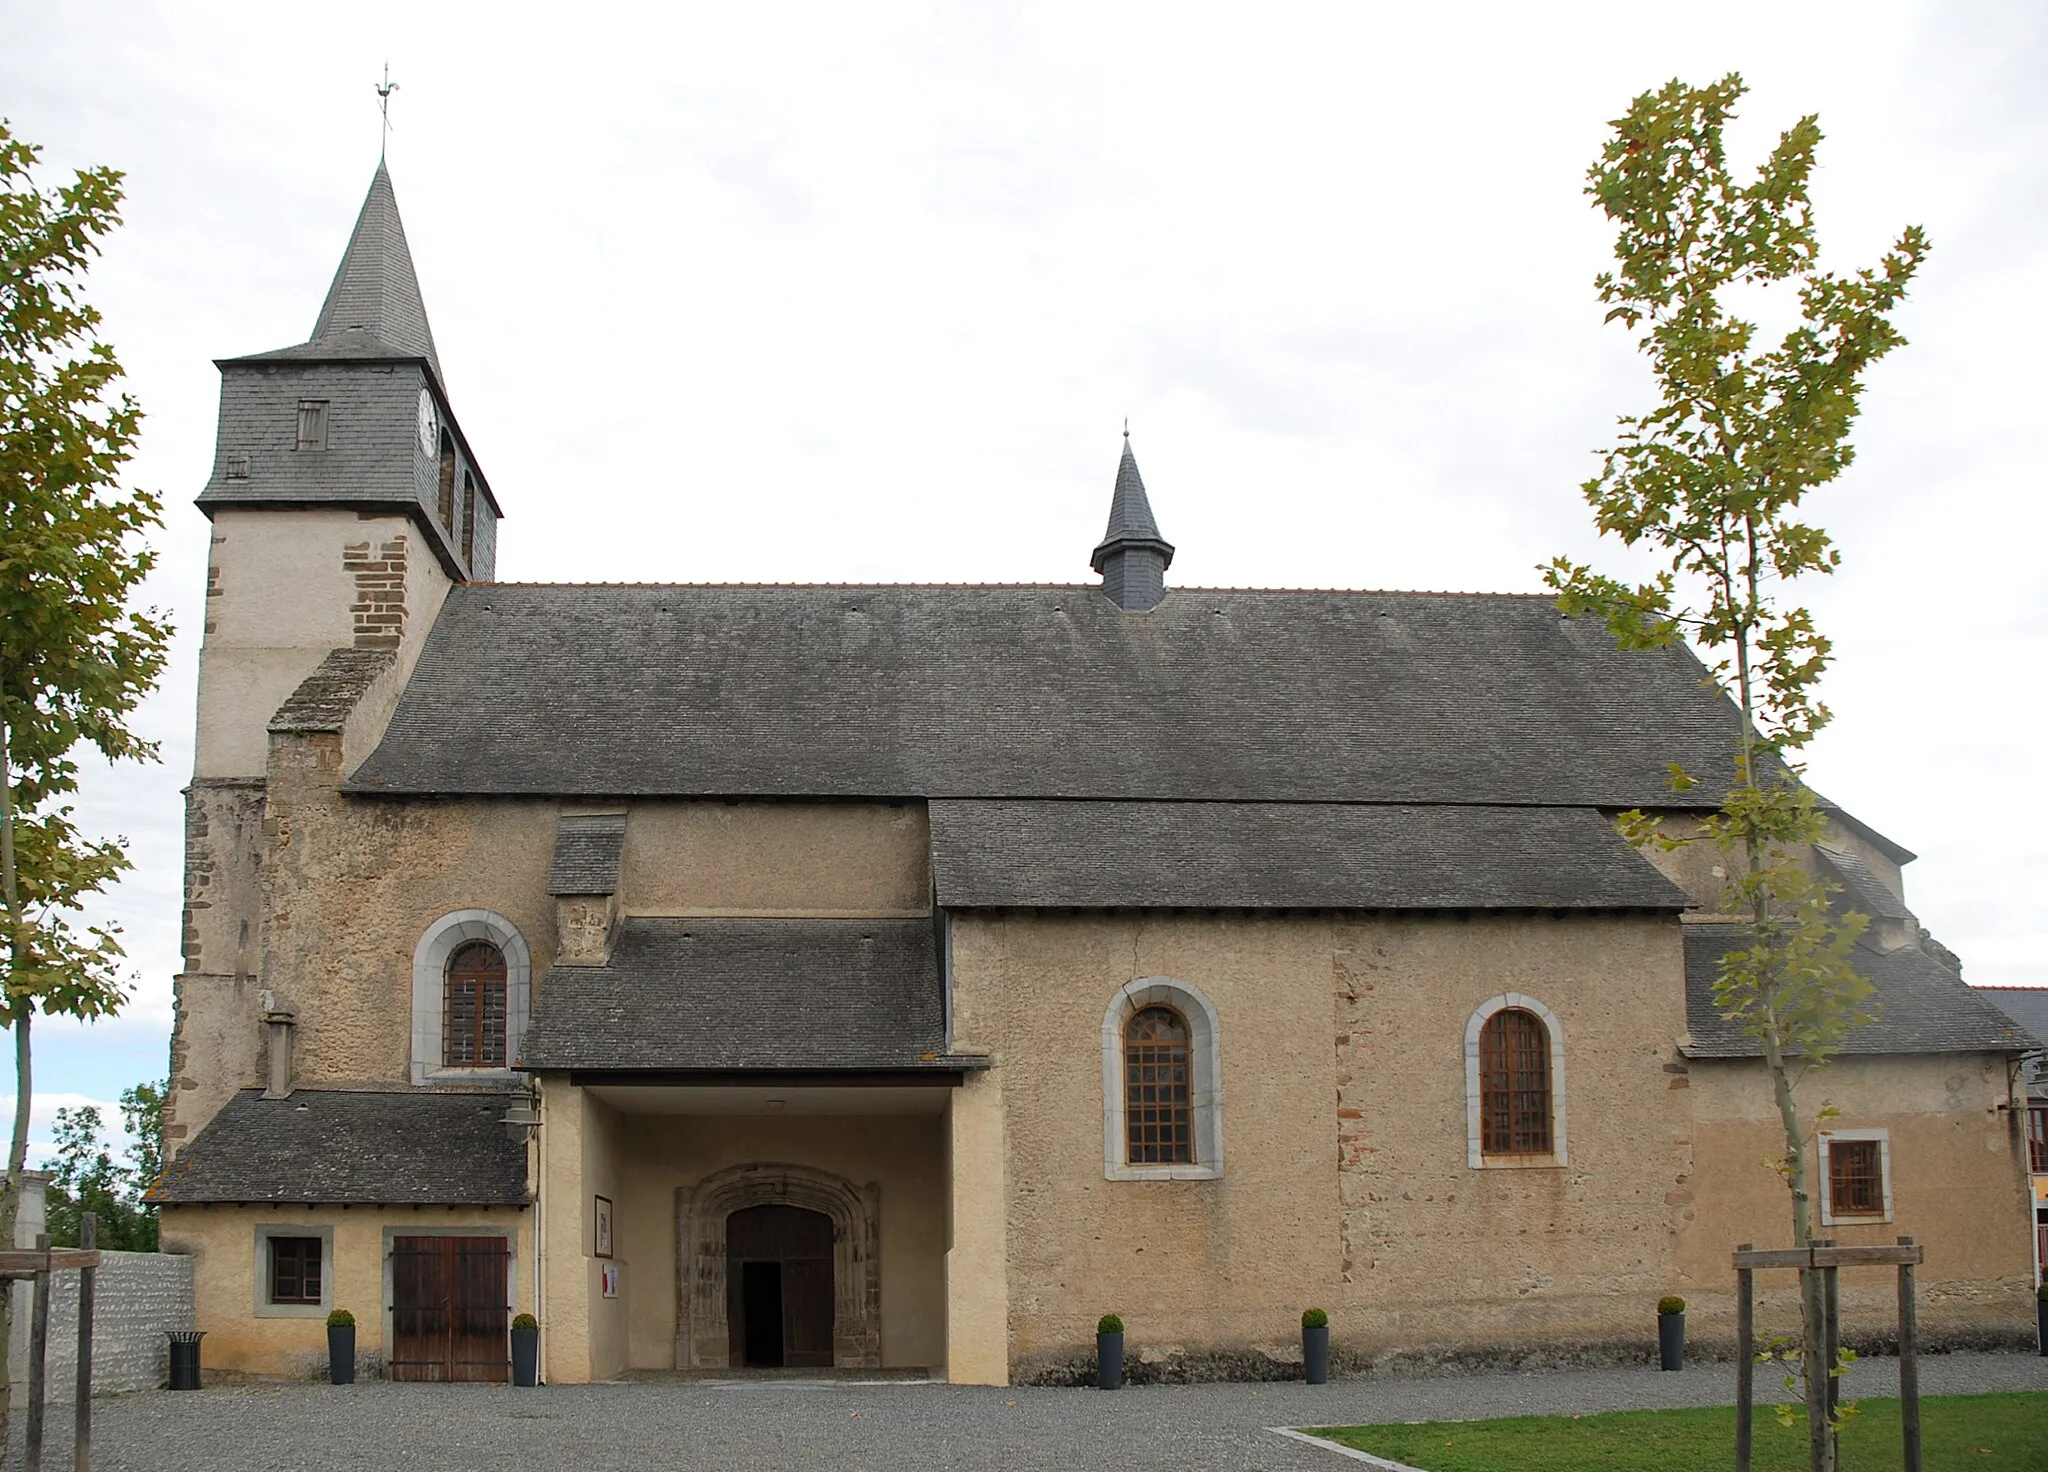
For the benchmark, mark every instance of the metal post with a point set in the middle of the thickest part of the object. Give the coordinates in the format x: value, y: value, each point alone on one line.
x: 1745, y: 1359
x: 38, y: 1352
x: 81, y: 1439
x: 1909, y: 1364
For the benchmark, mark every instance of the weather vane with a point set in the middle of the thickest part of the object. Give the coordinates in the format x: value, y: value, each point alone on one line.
x: 384, y: 106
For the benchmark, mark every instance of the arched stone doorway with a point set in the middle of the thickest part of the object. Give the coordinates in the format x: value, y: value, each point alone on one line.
x: 704, y: 1288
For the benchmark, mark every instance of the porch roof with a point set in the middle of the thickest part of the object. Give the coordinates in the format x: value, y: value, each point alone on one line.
x: 398, y: 1148
x: 740, y: 995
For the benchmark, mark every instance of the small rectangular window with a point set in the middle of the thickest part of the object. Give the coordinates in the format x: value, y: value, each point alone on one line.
x: 238, y: 467
x: 1855, y: 1178
x: 312, y: 424
x: 294, y: 1269
x: 2037, y: 1138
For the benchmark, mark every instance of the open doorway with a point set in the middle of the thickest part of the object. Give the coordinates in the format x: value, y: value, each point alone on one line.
x: 779, y: 1287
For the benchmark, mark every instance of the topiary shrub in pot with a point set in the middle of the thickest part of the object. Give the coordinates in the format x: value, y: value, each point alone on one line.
x: 1315, y: 1346
x: 525, y: 1350
x: 1671, y: 1333
x: 1109, y: 1352
x: 341, y: 1347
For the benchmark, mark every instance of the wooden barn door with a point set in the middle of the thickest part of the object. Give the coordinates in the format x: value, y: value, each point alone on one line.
x: 449, y: 1319
x: 778, y: 1275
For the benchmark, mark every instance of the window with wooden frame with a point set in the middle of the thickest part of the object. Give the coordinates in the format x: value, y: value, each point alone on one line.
x: 2037, y: 1138
x: 1158, y: 1090
x: 1855, y: 1178
x: 312, y: 424
x: 294, y: 1269
x: 1514, y: 1084
x: 473, y: 1007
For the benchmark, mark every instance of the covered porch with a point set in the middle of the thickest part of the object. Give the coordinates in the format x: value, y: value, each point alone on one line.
x: 756, y: 1153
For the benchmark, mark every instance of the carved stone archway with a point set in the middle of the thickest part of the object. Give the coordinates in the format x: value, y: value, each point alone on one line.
x: 702, y: 1338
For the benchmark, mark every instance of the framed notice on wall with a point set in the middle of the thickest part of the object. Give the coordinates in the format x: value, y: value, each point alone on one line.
x: 602, y: 1235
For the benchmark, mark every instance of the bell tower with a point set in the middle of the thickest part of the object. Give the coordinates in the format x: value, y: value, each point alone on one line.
x: 344, y: 502
x: 344, y: 497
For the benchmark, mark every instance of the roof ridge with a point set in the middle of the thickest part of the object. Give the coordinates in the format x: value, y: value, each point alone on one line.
x: 1046, y: 587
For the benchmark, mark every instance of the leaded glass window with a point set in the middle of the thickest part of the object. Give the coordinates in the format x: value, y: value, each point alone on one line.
x: 1158, y: 1092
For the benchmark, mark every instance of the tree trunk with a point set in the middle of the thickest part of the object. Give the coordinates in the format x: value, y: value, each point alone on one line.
x: 17, y: 1150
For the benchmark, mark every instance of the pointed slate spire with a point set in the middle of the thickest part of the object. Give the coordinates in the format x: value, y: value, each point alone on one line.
x: 375, y: 300
x: 1132, y: 557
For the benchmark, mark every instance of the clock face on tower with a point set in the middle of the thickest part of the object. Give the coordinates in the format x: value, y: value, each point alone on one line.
x: 430, y: 424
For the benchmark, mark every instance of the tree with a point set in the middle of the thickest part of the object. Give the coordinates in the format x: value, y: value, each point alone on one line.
x: 74, y: 657
x: 1711, y: 481
x: 87, y: 1178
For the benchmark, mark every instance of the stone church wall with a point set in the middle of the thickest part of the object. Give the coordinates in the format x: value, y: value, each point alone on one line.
x: 1345, y: 1180
x: 822, y: 859
x: 1958, y: 1187
x: 351, y: 885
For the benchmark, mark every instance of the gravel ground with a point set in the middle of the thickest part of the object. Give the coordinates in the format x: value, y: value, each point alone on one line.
x: 853, y: 1427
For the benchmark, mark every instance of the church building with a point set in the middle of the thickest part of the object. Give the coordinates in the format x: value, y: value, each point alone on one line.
x: 899, y: 978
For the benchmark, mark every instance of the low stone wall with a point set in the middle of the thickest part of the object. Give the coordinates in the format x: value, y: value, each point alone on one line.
x: 138, y: 1298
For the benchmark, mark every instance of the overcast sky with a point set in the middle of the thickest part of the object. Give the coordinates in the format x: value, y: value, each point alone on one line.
x: 864, y: 293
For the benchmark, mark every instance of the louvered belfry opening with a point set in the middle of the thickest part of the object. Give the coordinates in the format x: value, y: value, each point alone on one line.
x: 1158, y: 1095
x: 473, y: 1013
x: 1514, y: 1084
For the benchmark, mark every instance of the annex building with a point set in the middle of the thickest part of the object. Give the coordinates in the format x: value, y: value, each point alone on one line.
x: 905, y: 976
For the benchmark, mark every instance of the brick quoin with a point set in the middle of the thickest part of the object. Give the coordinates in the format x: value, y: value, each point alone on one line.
x: 379, y: 609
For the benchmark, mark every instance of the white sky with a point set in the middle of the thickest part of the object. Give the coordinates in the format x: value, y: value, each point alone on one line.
x: 863, y: 293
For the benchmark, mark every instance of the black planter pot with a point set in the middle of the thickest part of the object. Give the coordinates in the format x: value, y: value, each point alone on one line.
x: 1671, y: 1341
x: 2041, y: 1323
x: 1315, y: 1353
x: 1109, y: 1361
x: 526, y: 1356
x: 341, y: 1354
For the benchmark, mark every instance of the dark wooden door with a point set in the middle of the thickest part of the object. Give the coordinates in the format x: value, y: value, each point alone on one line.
x: 449, y: 1318
x: 779, y: 1258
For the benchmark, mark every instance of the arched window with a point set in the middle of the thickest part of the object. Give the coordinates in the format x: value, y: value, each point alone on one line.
x: 1158, y: 1089
x: 473, y: 1007
x: 1514, y: 1084
x: 1162, y: 1100
x: 472, y: 985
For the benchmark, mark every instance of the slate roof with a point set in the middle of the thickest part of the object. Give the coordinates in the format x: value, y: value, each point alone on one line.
x: 2027, y: 1006
x: 705, y: 994
x: 1130, y: 514
x: 324, y: 1145
x: 1862, y: 889
x: 1923, y: 1006
x: 1286, y: 855
x: 374, y: 308
x: 1043, y: 692
x: 588, y: 847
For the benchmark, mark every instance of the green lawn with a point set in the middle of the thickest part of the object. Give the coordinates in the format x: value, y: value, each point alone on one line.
x: 1982, y: 1433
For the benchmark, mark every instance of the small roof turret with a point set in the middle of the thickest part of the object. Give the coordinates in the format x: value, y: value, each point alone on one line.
x: 1133, y: 556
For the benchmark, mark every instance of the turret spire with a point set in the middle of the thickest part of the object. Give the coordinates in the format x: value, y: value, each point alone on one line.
x: 374, y: 307
x: 1132, y: 557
